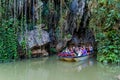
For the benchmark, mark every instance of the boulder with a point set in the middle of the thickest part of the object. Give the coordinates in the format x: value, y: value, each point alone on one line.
x: 34, y: 37
x: 38, y: 51
x: 42, y: 52
x: 61, y: 45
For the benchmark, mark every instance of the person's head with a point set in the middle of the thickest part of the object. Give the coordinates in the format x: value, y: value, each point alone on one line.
x: 69, y: 46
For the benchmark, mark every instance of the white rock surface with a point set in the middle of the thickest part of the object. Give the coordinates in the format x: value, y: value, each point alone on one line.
x: 35, y: 37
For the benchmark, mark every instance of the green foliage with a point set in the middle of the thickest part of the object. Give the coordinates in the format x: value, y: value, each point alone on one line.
x: 24, y: 47
x: 8, y: 43
x: 108, y: 47
x: 105, y: 24
x: 68, y: 36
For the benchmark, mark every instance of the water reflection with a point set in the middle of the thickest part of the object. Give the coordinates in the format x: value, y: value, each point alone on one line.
x: 53, y: 69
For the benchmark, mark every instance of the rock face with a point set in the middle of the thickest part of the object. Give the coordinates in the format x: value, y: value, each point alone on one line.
x: 75, y: 23
x: 78, y: 22
x: 61, y: 45
x: 77, y: 17
x: 41, y: 52
x: 35, y: 38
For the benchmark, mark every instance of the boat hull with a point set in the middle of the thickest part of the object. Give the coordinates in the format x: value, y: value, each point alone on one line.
x: 75, y: 59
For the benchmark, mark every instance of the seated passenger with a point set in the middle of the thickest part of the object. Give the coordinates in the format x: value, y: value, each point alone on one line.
x: 90, y: 49
x: 84, y: 51
x: 78, y: 51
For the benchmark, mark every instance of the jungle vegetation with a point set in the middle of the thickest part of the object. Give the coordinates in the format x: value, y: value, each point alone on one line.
x: 104, y: 21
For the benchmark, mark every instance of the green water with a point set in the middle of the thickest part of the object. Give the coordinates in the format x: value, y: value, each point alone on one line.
x: 50, y: 68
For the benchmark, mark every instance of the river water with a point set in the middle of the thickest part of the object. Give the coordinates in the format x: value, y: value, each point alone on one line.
x: 50, y: 68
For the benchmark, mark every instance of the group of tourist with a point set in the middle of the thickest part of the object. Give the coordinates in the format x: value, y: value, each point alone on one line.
x: 73, y: 51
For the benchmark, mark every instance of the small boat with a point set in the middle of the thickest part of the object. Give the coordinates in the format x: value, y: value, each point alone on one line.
x: 75, y: 59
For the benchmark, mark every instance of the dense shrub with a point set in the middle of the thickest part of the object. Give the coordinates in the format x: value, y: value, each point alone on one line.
x: 8, y: 40
x: 105, y: 22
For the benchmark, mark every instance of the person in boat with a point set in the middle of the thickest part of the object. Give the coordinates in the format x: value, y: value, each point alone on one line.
x: 90, y: 49
x: 71, y: 49
x: 78, y: 51
x: 84, y: 51
x: 68, y: 52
